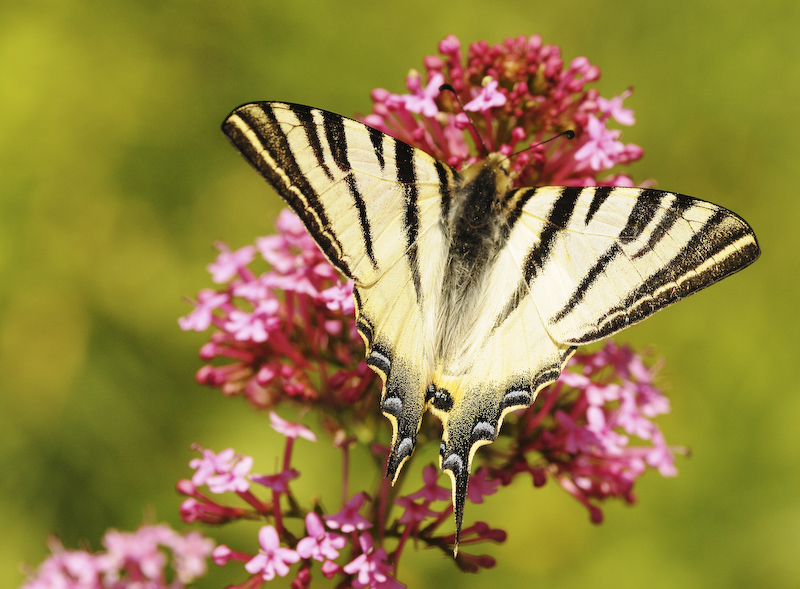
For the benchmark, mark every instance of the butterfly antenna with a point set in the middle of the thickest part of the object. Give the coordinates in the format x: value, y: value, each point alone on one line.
x: 569, y: 134
x: 449, y: 88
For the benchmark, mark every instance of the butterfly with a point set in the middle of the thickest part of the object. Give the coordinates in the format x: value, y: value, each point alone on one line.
x: 471, y: 295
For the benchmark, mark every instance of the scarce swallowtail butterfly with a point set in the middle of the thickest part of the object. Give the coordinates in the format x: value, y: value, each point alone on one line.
x: 472, y: 295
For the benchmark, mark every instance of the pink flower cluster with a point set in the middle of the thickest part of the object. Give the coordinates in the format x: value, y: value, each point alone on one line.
x: 517, y: 92
x: 580, y: 430
x: 577, y: 433
x: 284, y: 332
x: 283, y: 544
x: 130, y: 559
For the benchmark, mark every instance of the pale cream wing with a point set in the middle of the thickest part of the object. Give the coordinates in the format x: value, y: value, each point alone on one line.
x: 512, y: 363
x: 605, y: 258
x: 375, y: 206
x: 361, y: 194
x: 577, y: 265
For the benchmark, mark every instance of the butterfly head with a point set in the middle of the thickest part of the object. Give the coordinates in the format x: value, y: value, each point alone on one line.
x: 492, y: 174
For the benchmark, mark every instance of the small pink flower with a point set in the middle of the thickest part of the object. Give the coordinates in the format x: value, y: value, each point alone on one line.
x: 423, y: 100
x: 189, y: 555
x: 370, y: 567
x: 587, y: 71
x: 414, y: 512
x: 289, y: 429
x: 339, y: 298
x: 488, y: 98
x: 431, y: 491
x: 229, y: 264
x: 450, y: 46
x: 191, y: 510
x: 613, y: 108
x: 660, y: 456
x: 348, y: 519
x: 329, y: 569
x: 140, y: 548
x: 319, y: 544
x: 226, y: 471
x: 255, y: 326
x: 574, y: 437
x: 254, y: 289
x: 272, y: 559
x: 602, y: 149
x: 221, y: 555
x: 611, y: 442
x: 200, y: 319
x: 67, y: 569
x: 277, y: 482
x: 481, y: 485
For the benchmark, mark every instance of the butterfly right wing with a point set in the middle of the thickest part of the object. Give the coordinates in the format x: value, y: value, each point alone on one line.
x: 371, y: 203
x: 620, y: 254
x: 577, y: 265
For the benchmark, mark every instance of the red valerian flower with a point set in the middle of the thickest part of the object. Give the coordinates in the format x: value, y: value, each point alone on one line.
x: 272, y: 559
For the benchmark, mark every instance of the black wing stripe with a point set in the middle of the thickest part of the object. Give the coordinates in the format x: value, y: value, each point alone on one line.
x: 366, y: 232
x: 273, y: 157
x: 337, y: 142
x: 522, y: 196
x: 600, y: 195
x: 670, y: 217
x: 644, y: 211
x: 558, y: 218
x: 336, y: 138
x: 306, y: 118
x: 445, y: 189
x: 694, y: 268
x: 404, y: 158
x: 376, y: 137
x: 587, y: 282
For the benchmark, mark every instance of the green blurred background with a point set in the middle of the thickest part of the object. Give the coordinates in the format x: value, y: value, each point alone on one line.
x: 116, y: 181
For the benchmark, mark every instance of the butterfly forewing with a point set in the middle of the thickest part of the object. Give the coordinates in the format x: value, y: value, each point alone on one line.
x: 360, y: 193
x: 623, y: 255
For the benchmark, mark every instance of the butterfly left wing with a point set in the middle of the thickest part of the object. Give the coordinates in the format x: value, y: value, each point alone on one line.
x: 375, y: 206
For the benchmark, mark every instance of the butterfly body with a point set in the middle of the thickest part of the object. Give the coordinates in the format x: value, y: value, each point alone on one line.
x: 471, y: 295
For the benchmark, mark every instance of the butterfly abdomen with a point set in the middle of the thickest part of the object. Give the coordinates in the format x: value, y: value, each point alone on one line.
x: 474, y: 230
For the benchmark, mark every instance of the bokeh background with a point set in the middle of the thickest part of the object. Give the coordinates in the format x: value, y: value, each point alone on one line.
x: 115, y: 181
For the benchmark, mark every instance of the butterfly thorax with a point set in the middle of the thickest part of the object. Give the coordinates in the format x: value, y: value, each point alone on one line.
x: 475, y: 230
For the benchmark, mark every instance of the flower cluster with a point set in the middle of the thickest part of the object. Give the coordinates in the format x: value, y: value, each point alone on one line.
x: 578, y: 432
x: 135, y: 559
x: 287, y: 332
x: 324, y: 537
x: 514, y: 93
